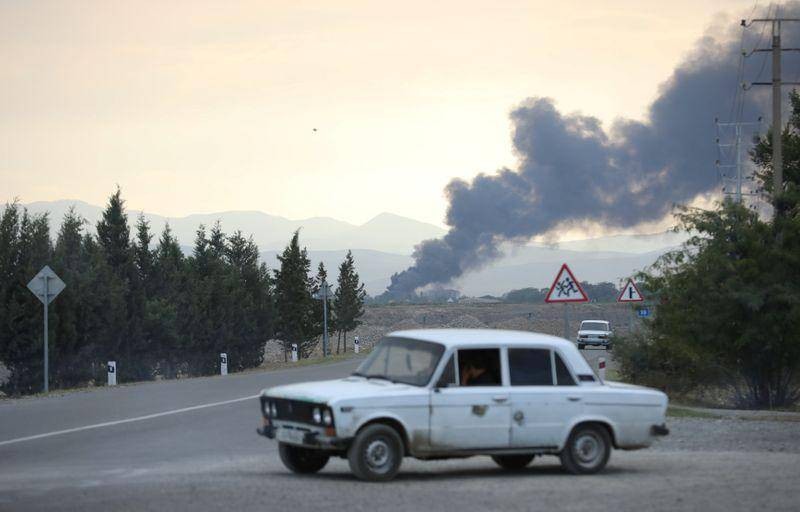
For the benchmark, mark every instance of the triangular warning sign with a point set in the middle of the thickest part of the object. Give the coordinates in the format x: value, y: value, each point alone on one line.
x: 566, y: 288
x: 630, y: 293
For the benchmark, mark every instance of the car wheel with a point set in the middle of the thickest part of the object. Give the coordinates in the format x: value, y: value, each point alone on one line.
x: 302, y: 460
x: 587, y: 451
x: 512, y: 462
x: 376, y: 453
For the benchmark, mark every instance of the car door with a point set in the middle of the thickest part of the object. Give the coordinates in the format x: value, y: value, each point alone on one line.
x: 544, y: 397
x: 470, y: 413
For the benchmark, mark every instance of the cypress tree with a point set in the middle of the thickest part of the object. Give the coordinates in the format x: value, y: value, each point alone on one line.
x: 26, y: 248
x: 294, y: 303
x: 74, y: 351
x: 348, y: 301
x: 143, y: 255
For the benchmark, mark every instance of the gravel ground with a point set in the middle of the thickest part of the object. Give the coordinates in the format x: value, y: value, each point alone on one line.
x: 731, y: 435
x: 210, y: 459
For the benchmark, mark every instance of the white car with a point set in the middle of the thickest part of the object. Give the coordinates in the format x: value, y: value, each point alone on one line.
x: 445, y: 393
x: 596, y: 333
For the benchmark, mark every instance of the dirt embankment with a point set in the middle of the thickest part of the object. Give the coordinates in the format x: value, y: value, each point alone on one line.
x: 545, y: 318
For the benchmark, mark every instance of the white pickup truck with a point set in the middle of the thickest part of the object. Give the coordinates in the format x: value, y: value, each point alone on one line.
x: 445, y: 393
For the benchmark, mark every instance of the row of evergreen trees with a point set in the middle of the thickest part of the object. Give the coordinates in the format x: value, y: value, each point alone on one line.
x: 146, y: 305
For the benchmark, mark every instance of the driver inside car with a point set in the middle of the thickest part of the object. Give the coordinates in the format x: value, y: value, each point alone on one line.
x: 475, y: 373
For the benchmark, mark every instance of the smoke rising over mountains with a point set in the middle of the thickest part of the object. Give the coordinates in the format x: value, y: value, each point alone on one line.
x: 572, y: 169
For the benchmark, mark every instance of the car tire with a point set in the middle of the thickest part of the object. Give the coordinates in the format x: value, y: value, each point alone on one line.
x: 302, y: 460
x: 587, y: 450
x: 376, y: 453
x: 513, y: 462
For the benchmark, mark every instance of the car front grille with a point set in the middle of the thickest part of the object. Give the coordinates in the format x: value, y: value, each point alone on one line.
x: 290, y: 410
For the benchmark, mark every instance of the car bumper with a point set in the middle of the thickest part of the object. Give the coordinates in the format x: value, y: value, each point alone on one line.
x: 593, y: 341
x: 302, y: 435
x: 659, y: 430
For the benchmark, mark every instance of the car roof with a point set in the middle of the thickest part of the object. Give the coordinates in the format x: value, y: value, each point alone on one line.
x: 462, y: 337
x: 478, y: 337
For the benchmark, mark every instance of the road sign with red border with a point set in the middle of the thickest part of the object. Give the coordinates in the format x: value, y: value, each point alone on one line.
x: 566, y: 288
x: 630, y: 293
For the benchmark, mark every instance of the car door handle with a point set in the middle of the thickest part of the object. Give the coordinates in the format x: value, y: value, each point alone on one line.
x: 500, y: 399
x: 574, y: 398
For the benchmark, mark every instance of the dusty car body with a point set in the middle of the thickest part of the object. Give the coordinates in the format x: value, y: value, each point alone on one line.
x: 419, y: 394
x: 595, y: 333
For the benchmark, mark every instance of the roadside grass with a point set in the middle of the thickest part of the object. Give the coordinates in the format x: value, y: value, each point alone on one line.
x: 316, y: 360
x: 682, y: 412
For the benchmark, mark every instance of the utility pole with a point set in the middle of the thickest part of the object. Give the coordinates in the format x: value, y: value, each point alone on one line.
x: 323, y: 294
x: 776, y: 83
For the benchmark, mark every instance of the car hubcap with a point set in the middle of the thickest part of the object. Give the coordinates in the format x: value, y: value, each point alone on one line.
x: 378, y: 455
x: 588, y: 449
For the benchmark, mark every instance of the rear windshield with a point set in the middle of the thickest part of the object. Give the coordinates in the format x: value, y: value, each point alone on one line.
x: 594, y: 326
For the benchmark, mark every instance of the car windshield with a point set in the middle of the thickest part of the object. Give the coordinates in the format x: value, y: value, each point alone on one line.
x: 402, y: 360
x: 594, y: 326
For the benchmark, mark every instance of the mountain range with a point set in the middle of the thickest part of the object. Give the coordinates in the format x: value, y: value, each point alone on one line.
x: 383, y: 246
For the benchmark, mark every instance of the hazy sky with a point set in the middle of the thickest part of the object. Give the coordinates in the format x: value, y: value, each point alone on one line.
x: 195, y: 106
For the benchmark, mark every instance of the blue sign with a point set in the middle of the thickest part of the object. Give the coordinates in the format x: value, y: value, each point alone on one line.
x: 644, y: 312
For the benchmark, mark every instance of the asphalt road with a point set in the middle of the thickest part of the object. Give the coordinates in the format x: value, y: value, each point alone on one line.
x: 192, y: 446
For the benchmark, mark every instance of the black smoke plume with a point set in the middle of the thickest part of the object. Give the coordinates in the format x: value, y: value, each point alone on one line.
x: 571, y: 169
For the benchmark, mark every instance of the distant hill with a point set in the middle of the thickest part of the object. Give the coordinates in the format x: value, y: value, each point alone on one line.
x: 382, y: 246
x: 386, y: 232
x: 628, y: 243
x: 527, y: 267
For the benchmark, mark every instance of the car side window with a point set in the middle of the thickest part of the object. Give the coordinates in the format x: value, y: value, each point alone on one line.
x: 530, y: 367
x: 479, y: 367
x: 563, y: 377
x: 448, y: 377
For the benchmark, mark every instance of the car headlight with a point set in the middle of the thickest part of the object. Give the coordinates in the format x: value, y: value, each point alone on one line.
x: 273, y: 409
x: 317, y: 415
x: 327, y: 417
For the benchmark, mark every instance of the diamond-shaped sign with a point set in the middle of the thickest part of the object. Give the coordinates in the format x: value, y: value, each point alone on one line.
x: 566, y: 288
x: 46, y: 285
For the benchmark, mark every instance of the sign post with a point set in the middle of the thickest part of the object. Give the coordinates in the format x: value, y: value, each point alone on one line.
x: 112, y: 373
x: 294, y: 352
x: 630, y: 293
x: 223, y: 364
x: 323, y: 294
x: 566, y: 288
x: 601, y: 368
x: 356, y: 345
x: 46, y: 285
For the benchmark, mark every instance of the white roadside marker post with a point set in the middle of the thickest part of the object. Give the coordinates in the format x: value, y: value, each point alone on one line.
x: 294, y: 352
x: 356, y: 345
x: 601, y: 368
x: 112, y: 373
x: 223, y: 363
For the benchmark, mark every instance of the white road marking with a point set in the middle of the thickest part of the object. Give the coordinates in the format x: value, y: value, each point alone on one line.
x: 127, y: 420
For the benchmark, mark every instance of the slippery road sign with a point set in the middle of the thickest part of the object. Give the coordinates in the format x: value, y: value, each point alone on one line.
x: 630, y: 293
x: 566, y: 288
